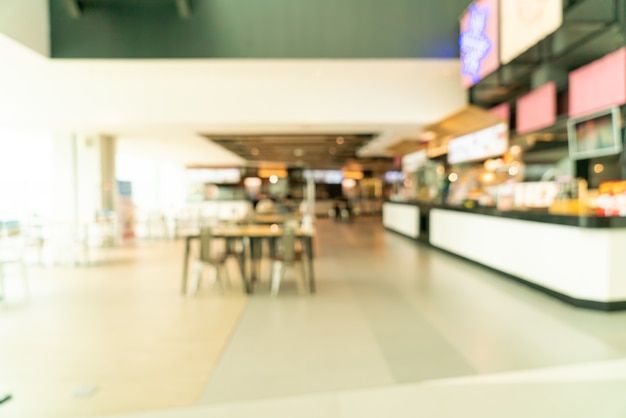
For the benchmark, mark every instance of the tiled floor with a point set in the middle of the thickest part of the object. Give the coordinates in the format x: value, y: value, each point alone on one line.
x: 395, y: 329
x: 119, y: 332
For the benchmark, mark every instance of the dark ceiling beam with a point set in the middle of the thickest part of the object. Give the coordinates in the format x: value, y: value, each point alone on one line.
x: 184, y: 8
x: 74, y: 9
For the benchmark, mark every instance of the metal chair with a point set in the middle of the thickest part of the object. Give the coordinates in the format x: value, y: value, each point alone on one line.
x: 286, y: 255
x: 12, y: 253
x: 66, y: 243
x: 214, y: 255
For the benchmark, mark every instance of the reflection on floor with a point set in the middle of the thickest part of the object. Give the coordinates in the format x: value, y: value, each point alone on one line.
x: 396, y: 329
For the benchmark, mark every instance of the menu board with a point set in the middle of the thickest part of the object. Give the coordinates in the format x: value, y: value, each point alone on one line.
x: 537, y: 109
x: 526, y: 22
x: 214, y: 175
x: 598, y: 85
x: 324, y: 176
x: 487, y: 143
x: 411, y: 162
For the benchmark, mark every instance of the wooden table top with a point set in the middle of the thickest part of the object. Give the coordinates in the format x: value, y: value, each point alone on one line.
x: 252, y: 231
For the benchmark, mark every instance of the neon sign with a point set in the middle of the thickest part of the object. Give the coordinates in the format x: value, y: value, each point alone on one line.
x: 478, y: 41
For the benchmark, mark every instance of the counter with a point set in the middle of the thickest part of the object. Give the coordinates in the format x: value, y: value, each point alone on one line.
x: 402, y: 218
x: 579, y: 259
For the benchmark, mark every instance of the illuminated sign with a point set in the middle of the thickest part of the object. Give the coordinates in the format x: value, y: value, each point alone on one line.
x: 214, y: 175
x: 526, y: 22
x: 411, y: 162
x: 478, y: 41
x: 537, y: 109
x: 486, y: 143
x: 324, y: 176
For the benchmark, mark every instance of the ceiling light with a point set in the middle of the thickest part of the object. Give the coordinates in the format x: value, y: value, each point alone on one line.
x: 273, y: 179
x: 488, y: 177
x: 332, y: 151
x: 252, y: 182
x: 254, y: 151
x: 340, y: 140
x: 348, y: 183
x: 298, y: 152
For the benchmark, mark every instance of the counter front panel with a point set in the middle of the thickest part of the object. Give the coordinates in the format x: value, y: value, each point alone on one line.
x: 579, y: 259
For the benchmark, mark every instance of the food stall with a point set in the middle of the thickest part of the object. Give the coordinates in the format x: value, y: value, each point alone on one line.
x: 544, y: 203
x: 535, y: 172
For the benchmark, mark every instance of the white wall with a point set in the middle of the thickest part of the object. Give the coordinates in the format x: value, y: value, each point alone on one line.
x: 27, y: 22
x: 158, y: 185
x: 187, y: 96
x: 26, y: 167
x: 181, y: 149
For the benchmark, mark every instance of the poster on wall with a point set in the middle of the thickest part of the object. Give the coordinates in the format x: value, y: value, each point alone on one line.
x: 479, y: 41
x: 524, y: 23
x: 126, y: 209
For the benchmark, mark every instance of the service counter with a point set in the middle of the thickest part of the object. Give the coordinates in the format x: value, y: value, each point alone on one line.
x: 579, y: 259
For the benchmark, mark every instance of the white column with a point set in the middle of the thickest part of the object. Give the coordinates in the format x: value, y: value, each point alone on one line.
x: 64, y: 204
x: 84, y: 176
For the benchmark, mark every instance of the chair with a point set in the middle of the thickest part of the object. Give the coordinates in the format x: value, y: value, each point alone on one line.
x: 12, y: 252
x: 265, y: 206
x: 66, y: 243
x: 286, y: 255
x: 212, y: 255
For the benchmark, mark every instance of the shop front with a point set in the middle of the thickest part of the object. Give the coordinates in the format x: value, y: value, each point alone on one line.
x: 530, y: 179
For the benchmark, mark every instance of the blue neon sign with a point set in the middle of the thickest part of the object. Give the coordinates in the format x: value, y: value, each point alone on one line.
x: 474, y: 42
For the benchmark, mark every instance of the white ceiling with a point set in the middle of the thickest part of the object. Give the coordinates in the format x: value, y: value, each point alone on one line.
x: 146, y: 101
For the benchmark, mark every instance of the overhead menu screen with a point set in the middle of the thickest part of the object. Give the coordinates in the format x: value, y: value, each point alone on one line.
x: 487, y: 143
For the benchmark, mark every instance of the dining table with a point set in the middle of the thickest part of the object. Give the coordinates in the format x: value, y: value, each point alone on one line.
x: 252, y: 236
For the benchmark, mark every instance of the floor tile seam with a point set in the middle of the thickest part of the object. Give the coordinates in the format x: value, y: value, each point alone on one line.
x: 505, y: 287
x: 433, y: 322
x: 373, y: 336
x: 220, y: 355
x: 338, y: 395
x: 537, y: 374
x: 379, y: 343
x: 388, y: 377
x: 318, y: 393
x: 617, y: 352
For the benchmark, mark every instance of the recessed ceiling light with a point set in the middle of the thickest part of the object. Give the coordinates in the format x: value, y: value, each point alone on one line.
x: 254, y: 151
x: 298, y: 152
x: 332, y: 151
x: 340, y: 140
